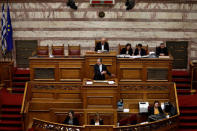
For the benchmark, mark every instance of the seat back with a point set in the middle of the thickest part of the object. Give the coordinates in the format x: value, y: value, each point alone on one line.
x: 43, y: 51
x: 74, y: 50
x: 145, y: 48
x: 58, y: 50
x: 120, y: 47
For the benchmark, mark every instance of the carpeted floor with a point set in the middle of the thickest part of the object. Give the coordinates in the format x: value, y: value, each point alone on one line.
x: 10, y: 118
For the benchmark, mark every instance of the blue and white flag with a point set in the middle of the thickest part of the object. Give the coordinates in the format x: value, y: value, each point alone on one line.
x: 3, y: 32
x: 9, y: 32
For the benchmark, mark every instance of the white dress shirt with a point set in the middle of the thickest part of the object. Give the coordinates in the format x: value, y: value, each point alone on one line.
x: 102, y: 47
x: 100, y: 67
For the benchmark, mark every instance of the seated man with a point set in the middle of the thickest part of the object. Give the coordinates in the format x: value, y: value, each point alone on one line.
x: 162, y: 50
x: 103, y: 45
x: 139, y: 50
x: 100, y: 70
x: 127, y: 50
x: 97, y: 120
x: 71, y: 119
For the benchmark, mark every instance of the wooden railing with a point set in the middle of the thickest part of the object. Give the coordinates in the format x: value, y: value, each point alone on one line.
x: 25, y: 104
x: 41, y: 124
x: 193, y: 71
x: 160, y: 125
x: 169, y: 90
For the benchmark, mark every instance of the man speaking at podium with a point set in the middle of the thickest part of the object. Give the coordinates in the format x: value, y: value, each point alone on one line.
x: 100, y: 70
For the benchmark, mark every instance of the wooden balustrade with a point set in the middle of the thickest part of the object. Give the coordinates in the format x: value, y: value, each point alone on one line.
x: 168, y: 124
x: 50, y: 101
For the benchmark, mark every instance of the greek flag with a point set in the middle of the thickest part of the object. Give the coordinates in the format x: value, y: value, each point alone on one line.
x: 3, y: 32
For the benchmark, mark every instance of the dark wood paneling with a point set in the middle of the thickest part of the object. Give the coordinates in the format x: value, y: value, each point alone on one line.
x: 179, y: 51
x: 24, y: 49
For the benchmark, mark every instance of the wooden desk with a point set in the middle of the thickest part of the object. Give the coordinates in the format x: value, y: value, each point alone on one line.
x: 100, y: 95
x: 56, y: 69
x: 144, y: 69
x: 6, y: 71
x: 109, y: 59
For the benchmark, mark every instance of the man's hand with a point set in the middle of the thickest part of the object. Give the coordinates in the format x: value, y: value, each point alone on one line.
x: 103, y: 72
x: 113, y: 75
x: 162, y: 54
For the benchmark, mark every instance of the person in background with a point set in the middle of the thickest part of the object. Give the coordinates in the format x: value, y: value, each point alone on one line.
x: 120, y: 105
x: 97, y: 120
x: 162, y: 50
x: 102, y: 45
x: 100, y: 70
x: 139, y: 50
x: 127, y: 50
x: 71, y: 119
x: 156, y: 109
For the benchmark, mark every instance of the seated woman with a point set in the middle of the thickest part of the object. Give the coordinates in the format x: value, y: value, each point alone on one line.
x: 97, y: 120
x: 156, y: 109
x: 71, y: 119
x: 139, y: 50
x: 127, y: 50
x: 155, y: 112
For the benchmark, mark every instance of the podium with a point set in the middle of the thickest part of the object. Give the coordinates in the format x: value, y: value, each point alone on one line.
x: 100, y: 94
x: 109, y: 59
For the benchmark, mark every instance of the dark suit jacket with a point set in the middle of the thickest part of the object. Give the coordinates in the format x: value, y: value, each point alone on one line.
x: 75, y: 121
x: 98, y: 46
x: 143, y: 52
x: 97, y: 73
x: 123, y: 51
x: 92, y: 122
x: 151, y: 110
x: 160, y: 50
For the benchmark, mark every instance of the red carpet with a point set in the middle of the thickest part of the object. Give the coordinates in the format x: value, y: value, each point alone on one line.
x: 20, y: 77
x: 10, y: 118
x: 183, y: 81
x: 188, y: 112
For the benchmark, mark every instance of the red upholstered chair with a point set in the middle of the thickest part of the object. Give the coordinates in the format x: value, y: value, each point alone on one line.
x: 43, y: 51
x: 74, y: 50
x: 130, y: 120
x: 58, y: 51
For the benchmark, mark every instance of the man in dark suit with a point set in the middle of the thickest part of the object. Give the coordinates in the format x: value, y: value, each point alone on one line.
x: 162, y: 50
x: 127, y: 50
x: 103, y: 45
x: 139, y: 50
x: 100, y: 70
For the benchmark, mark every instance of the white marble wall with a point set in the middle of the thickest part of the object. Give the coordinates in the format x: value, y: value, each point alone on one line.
x: 147, y: 23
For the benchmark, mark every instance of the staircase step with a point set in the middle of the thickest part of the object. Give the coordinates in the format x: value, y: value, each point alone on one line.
x: 188, y: 111
x: 187, y: 129
x: 181, y: 80
x: 183, y: 91
x: 22, y: 71
x: 10, y: 122
x: 10, y: 116
x: 183, y: 85
x: 18, y: 83
x: 11, y: 109
x: 188, y: 124
x: 21, y: 78
x: 188, y: 118
x: 180, y: 73
x: 10, y: 129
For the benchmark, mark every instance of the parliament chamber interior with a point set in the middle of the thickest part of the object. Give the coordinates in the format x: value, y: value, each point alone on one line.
x: 98, y: 65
